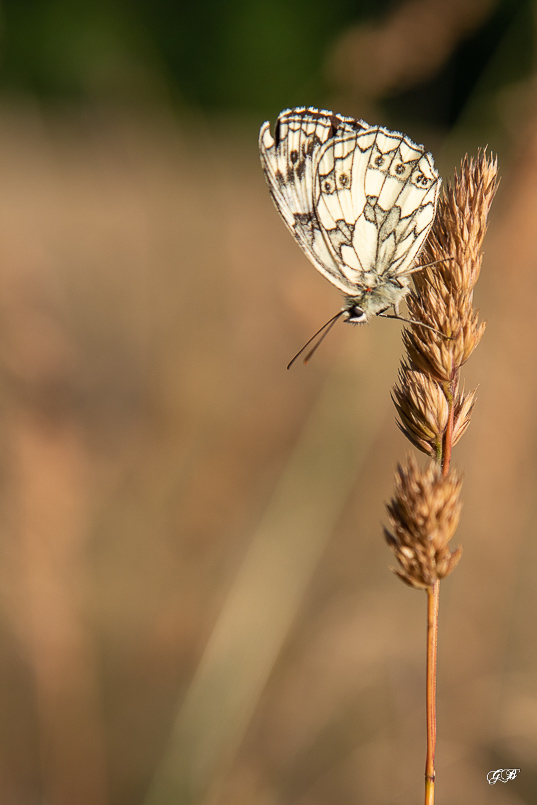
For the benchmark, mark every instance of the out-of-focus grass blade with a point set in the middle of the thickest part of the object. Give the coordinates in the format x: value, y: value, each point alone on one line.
x: 263, y: 601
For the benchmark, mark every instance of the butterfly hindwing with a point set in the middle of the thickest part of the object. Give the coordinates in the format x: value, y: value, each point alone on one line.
x: 379, y: 190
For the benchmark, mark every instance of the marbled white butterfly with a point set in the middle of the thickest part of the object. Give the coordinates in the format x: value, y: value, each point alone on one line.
x: 359, y: 200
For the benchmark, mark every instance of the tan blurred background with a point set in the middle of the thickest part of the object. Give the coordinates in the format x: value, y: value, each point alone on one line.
x: 196, y: 605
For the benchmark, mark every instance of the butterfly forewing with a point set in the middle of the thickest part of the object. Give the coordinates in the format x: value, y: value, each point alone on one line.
x: 359, y: 199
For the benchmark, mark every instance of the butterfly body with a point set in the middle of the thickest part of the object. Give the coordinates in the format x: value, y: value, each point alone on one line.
x: 359, y: 200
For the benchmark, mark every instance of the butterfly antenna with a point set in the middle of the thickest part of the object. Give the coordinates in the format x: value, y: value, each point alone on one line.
x: 327, y: 326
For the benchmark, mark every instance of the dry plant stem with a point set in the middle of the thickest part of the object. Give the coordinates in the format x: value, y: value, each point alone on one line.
x: 434, y: 411
x: 433, y: 600
x: 432, y: 639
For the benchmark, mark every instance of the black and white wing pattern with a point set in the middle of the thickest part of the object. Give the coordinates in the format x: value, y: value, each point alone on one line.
x: 288, y: 160
x: 359, y: 199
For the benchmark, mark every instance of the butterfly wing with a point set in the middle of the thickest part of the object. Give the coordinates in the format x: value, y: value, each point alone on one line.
x: 375, y: 195
x: 288, y: 161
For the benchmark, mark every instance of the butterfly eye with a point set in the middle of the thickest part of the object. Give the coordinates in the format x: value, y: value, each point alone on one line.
x: 293, y: 156
x: 328, y: 185
x: 343, y: 180
x: 399, y: 169
x: 379, y: 161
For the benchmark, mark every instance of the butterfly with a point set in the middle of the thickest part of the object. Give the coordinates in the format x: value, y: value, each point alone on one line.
x: 359, y: 200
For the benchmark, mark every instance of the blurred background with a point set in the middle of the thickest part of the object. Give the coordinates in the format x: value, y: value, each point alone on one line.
x: 196, y: 601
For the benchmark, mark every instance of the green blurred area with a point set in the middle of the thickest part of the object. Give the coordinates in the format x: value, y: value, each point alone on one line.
x: 253, y: 56
x: 243, y: 54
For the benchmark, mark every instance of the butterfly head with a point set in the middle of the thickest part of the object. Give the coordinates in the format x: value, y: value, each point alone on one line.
x: 375, y: 296
x: 354, y: 313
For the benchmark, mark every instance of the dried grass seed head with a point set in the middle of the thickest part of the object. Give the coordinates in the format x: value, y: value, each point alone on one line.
x: 424, y: 514
x: 422, y: 407
x: 443, y: 293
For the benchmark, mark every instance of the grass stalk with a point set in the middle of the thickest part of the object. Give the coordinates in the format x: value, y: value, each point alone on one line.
x: 434, y: 411
x: 433, y: 598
